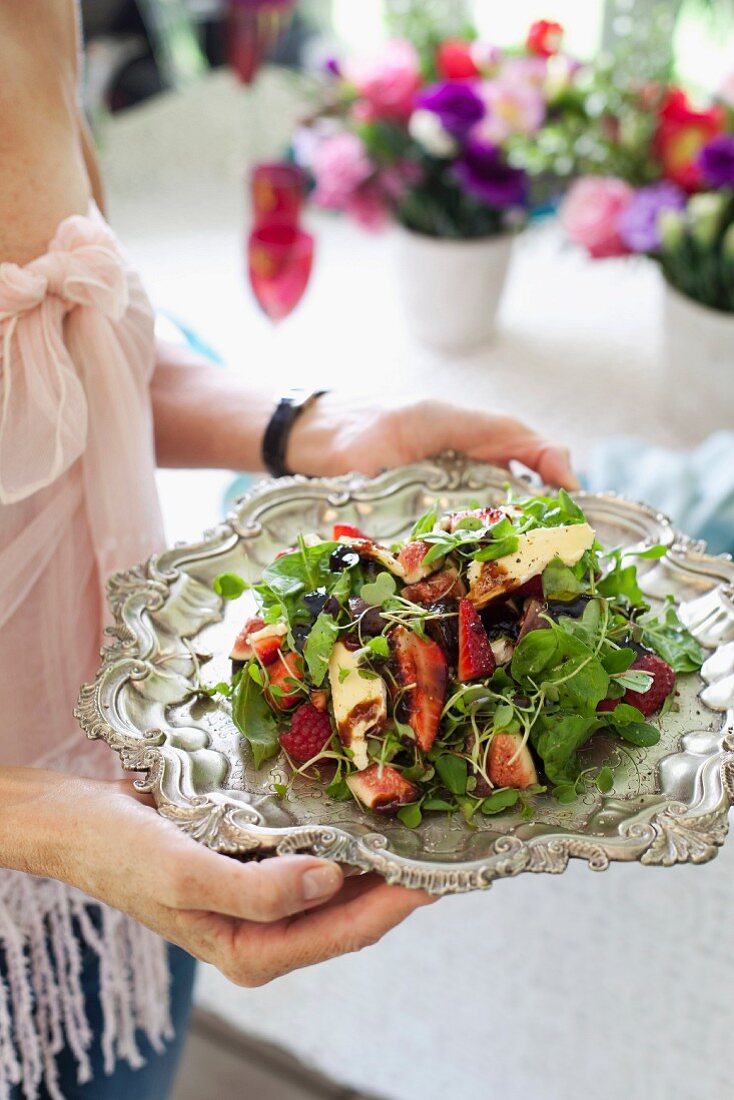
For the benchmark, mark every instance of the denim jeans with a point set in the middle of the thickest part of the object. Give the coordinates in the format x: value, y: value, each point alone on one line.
x: 154, y: 1080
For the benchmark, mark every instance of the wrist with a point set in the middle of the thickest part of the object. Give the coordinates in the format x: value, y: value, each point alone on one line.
x: 313, y: 440
x: 40, y: 814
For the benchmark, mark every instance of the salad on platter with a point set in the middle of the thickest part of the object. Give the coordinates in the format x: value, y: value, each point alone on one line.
x: 461, y: 670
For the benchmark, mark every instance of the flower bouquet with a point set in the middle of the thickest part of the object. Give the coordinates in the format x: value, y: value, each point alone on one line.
x: 677, y: 207
x: 424, y: 136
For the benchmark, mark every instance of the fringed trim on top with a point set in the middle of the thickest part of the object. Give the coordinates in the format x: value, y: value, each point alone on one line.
x: 44, y: 928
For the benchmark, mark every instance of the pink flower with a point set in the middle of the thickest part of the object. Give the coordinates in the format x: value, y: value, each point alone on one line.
x: 389, y: 82
x: 726, y: 91
x: 340, y: 164
x: 591, y: 211
x: 524, y: 71
x: 367, y: 206
x: 511, y: 109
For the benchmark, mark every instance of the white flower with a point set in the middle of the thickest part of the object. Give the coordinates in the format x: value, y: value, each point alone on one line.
x: 425, y: 128
x: 704, y: 213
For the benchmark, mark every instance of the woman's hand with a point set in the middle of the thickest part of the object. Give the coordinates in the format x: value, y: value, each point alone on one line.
x: 254, y: 921
x: 339, y: 433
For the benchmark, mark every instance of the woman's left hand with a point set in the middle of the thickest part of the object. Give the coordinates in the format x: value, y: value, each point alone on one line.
x: 338, y: 434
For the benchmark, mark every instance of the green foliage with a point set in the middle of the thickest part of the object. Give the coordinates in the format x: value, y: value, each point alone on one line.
x: 255, y: 720
x: 229, y: 586
x: 670, y: 639
x: 379, y: 590
x: 318, y: 647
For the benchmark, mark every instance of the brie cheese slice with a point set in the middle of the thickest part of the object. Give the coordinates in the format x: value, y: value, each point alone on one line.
x: 536, y: 549
x: 360, y: 704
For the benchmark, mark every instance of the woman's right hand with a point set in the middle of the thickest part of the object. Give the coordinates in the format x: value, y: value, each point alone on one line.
x: 254, y: 921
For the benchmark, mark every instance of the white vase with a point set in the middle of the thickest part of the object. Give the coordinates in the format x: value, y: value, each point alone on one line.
x: 699, y: 361
x: 451, y: 290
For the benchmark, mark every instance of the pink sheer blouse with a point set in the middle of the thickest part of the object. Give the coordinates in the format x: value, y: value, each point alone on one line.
x: 77, y: 487
x: 77, y: 501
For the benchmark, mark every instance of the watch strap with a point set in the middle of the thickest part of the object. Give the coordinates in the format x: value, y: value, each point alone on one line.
x: 277, y: 433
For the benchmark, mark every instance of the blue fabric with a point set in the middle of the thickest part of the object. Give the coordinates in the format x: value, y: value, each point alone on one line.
x: 155, y: 1079
x: 694, y: 487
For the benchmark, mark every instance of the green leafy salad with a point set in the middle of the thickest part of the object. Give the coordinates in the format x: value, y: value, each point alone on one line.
x: 460, y: 670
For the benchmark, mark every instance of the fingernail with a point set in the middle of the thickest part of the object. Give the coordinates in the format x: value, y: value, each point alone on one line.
x: 321, y: 882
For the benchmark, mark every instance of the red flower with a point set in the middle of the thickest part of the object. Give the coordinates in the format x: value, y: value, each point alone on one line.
x: 544, y: 38
x: 454, y: 60
x: 681, y: 134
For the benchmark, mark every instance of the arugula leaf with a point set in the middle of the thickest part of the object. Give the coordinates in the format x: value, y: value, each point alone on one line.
x: 634, y: 680
x: 638, y: 733
x: 582, y: 682
x: 605, y: 780
x: 534, y: 653
x: 652, y: 552
x: 229, y: 586
x: 339, y: 789
x: 500, y: 548
x: 379, y: 590
x: 669, y: 638
x: 621, y: 582
x: 255, y: 673
x: 411, y: 815
x: 255, y: 720
x: 378, y: 646
x: 565, y: 792
x: 558, y: 742
x: 439, y: 550
x: 453, y: 772
x: 438, y: 804
x: 318, y: 647
x: 425, y: 523
x: 559, y: 582
x: 469, y: 523
x: 618, y: 660
x: 571, y: 511
x: 629, y: 724
x: 301, y: 570
x: 500, y: 800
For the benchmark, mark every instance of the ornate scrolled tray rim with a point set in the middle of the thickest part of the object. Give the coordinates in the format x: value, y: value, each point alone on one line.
x: 166, y: 617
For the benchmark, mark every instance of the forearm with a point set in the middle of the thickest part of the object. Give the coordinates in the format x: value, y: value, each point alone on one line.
x: 204, y: 415
x: 38, y: 820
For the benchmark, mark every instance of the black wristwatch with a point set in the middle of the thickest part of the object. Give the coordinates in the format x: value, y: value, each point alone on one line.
x: 277, y: 433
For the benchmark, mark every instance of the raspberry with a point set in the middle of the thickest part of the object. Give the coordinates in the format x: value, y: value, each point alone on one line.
x: 650, y: 701
x: 310, y: 731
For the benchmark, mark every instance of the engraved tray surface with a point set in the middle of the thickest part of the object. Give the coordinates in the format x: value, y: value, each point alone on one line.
x: 669, y: 803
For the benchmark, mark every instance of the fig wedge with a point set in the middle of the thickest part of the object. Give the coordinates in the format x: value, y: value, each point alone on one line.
x: 382, y: 788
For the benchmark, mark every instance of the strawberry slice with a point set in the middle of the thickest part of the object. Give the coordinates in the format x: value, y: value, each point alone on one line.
x: 289, y: 666
x: 347, y: 530
x: 650, y: 701
x: 475, y: 649
x: 420, y: 667
x: 381, y: 788
x: 267, y: 641
x: 447, y: 582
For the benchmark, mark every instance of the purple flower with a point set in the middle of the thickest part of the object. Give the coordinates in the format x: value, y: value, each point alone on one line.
x: 332, y: 66
x: 716, y: 161
x: 482, y: 172
x: 457, y: 105
x: 638, y: 223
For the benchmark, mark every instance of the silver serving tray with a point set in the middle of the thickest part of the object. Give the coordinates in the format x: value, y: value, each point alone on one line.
x: 669, y: 803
